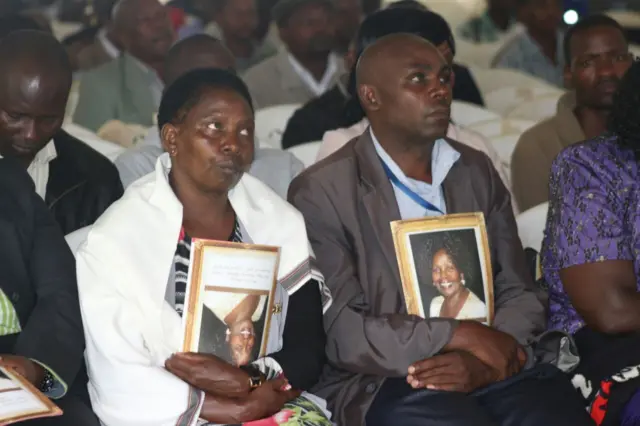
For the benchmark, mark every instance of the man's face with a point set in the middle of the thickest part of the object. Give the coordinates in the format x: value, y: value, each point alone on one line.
x: 150, y: 34
x: 309, y: 30
x: 599, y: 59
x: 413, y: 91
x: 347, y: 18
x: 32, y: 107
x: 239, y: 18
x: 542, y: 15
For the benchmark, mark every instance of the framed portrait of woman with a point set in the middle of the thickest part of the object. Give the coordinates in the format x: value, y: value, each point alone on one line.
x: 229, y: 299
x: 445, y: 266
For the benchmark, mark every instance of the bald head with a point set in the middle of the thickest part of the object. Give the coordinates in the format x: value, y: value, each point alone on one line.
x: 35, y: 79
x: 198, y: 51
x: 404, y: 85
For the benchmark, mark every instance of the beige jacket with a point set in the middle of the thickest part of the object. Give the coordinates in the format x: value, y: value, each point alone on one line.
x: 537, y: 148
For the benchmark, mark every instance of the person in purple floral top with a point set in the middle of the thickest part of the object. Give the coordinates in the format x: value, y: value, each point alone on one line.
x: 590, y: 259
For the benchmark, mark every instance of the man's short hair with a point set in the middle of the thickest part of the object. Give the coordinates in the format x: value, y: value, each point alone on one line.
x: 586, y: 24
x: 283, y: 10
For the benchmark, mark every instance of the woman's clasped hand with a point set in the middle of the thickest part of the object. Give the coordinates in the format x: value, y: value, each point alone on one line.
x: 229, y: 397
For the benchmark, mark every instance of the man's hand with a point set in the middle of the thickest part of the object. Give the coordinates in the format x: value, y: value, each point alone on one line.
x: 456, y: 371
x: 495, y: 348
x: 210, y: 374
x: 32, y: 371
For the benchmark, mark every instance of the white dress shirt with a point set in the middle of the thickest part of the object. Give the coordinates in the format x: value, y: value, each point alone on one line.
x: 109, y: 47
x: 39, y: 167
x: 325, y: 83
x: 443, y: 157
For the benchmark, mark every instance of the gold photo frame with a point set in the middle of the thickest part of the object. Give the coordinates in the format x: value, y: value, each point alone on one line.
x: 30, y: 402
x: 229, y: 302
x: 445, y: 266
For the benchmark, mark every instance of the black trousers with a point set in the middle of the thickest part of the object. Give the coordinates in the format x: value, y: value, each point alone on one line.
x: 542, y: 396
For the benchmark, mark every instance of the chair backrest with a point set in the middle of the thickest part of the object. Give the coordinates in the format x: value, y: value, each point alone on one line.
x: 466, y: 114
x: 77, y: 238
x: 502, y: 127
x: 537, y: 109
x: 505, y: 99
x: 531, y: 225
x: 108, y: 149
x: 306, y: 152
x: 271, y: 123
x: 491, y: 79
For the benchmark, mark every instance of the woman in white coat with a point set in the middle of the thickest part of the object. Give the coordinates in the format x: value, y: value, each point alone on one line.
x: 132, y: 276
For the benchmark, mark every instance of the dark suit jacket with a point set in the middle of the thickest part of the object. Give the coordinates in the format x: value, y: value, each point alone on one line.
x: 39, y: 277
x: 82, y: 183
x: 324, y: 113
x: 348, y: 203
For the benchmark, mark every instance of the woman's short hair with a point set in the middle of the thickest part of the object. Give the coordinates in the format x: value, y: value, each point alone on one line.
x: 185, y: 92
x: 455, y: 247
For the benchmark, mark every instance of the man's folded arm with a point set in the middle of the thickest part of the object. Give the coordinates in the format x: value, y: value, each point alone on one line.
x: 379, y: 345
x: 52, y: 336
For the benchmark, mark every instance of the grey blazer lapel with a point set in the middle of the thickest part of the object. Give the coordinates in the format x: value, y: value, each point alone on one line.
x: 136, y: 84
x: 378, y: 197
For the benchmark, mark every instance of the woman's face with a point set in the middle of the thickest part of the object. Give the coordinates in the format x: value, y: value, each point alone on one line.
x: 213, y: 145
x: 445, y: 275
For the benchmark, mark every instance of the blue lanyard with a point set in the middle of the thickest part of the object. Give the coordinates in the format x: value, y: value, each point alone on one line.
x: 408, y: 191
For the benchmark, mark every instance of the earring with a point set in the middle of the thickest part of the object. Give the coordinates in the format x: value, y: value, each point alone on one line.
x: 172, y: 152
x: 463, y: 282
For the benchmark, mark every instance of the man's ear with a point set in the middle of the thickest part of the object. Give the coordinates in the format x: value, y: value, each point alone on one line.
x: 169, y: 138
x: 369, y: 97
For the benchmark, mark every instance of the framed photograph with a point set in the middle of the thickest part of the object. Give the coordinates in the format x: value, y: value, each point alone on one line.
x: 21, y: 401
x: 445, y: 266
x: 229, y: 299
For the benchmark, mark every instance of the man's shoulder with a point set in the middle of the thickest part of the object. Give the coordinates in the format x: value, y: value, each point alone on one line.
x: 103, y: 74
x: 269, y: 66
x: 75, y: 155
x: 537, y: 135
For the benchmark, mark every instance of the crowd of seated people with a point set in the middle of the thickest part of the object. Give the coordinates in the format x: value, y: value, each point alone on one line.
x: 375, y: 86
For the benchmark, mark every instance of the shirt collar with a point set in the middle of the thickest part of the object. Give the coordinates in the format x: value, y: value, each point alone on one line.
x: 317, y: 87
x: 443, y: 157
x: 109, y: 47
x: 46, y: 154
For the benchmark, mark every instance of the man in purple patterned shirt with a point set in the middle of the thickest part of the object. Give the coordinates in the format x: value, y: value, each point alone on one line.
x: 590, y: 258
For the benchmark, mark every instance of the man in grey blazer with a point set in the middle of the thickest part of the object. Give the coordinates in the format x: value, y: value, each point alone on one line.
x: 128, y: 88
x: 274, y: 167
x: 385, y: 367
x: 306, y: 68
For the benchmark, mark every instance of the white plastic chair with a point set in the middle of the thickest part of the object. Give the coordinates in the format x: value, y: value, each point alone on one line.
x: 77, y: 238
x: 531, y: 225
x: 505, y: 99
x: 537, y: 109
x: 306, y: 152
x: 466, y: 114
x: 502, y: 127
x: 108, y: 149
x: 271, y: 123
x: 489, y: 80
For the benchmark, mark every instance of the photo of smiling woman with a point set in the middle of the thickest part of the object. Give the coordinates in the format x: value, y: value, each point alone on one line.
x: 449, y: 274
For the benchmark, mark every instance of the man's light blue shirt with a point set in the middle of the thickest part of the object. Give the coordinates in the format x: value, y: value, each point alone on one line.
x: 443, y: 157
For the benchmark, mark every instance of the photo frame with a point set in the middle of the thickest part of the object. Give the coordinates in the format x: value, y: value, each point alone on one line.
x: 229, y: 299
x: 21, y: 401
x: 445, y: 266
